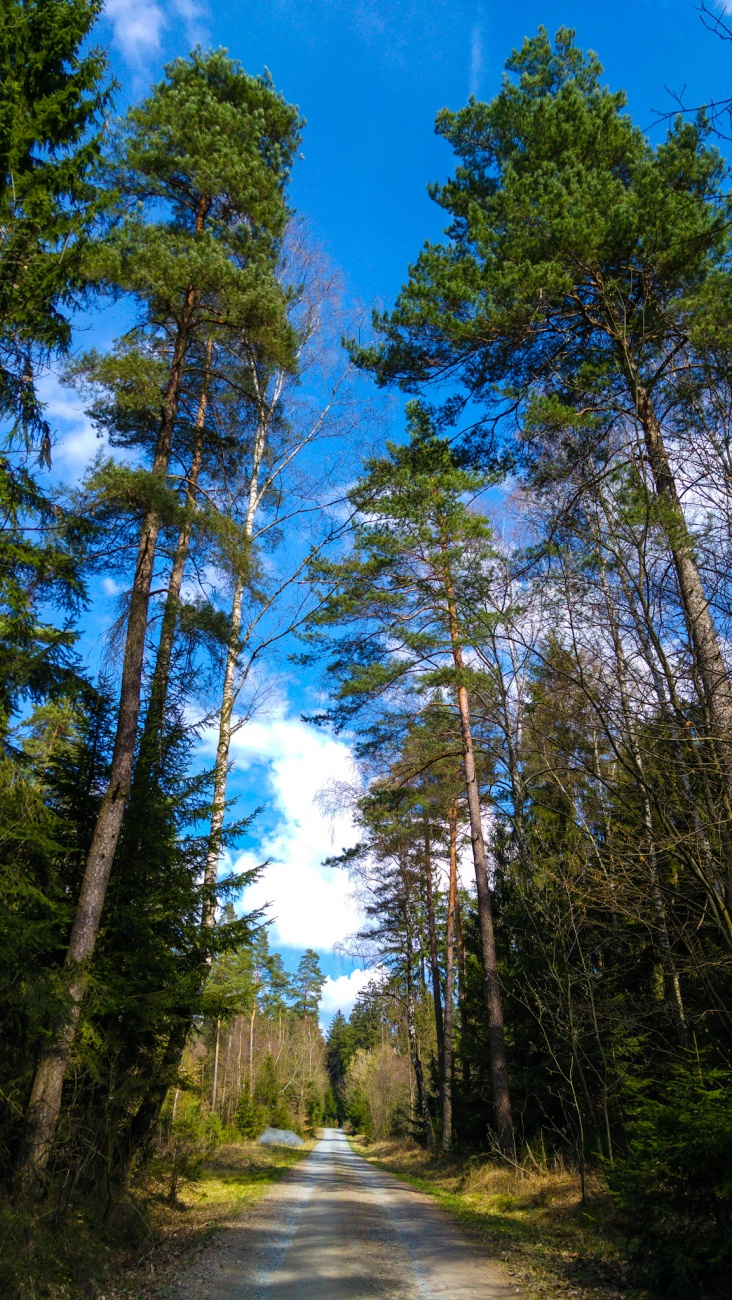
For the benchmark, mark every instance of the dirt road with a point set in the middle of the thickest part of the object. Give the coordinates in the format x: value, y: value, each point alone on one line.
x: 336, y: 1228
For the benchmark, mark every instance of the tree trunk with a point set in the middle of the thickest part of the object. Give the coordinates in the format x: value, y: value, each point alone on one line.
x: 152, y: 1103
x: 709, y: 661
x: 251, y: 1049
x: 496, y: 1034
x: 449, y: 980
x: 224, y: 1089
x: 709, y: 876
x: 45, y: 1101
x: 422, y: 1106
x: 672, y: 983
x: 434, y: 961
x: 216, y: 1066
x: 228, y: 697
x: 155, y: 718
x: 462, y: 1000
x: 208, y: 909
x: 710, y: 669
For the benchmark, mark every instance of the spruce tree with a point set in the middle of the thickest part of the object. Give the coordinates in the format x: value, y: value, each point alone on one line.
x: 339, y: 1052
x: 52, y: 98
x: 307, y: 984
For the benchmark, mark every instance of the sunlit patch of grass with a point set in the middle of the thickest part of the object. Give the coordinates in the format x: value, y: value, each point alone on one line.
x: 531, y: 1218
x: 233, y: 1179
x: 130, y: 1251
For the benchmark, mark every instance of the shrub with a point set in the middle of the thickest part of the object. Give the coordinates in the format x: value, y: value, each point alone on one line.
x: 251, y: 1117
x: 191, y: 1138
x: 673, y: 1185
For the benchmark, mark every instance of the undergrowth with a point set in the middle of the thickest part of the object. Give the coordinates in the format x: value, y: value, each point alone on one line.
x: 530, y: 1218
x: 127, y: 1248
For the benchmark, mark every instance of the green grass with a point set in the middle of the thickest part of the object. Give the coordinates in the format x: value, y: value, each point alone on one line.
x: 532, y: 1220
x: 142, y: 1241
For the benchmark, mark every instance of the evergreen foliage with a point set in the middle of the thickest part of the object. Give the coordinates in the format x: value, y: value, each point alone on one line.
x: 553, y: 697
x: 307, y: 984
x: 673, y: 1181
x: 52, y: 99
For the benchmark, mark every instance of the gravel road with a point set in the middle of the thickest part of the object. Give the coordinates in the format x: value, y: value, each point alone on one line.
x: 336, y: 1228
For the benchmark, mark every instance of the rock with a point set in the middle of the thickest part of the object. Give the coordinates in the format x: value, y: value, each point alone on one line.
x: 280, y: 1137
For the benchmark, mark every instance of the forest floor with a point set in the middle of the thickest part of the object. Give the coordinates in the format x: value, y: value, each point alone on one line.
x: 144, y: 1241
x: 337, y: 1228
x: 230, y: 1182
x: 533, y: 1221
x: 532, y: 1224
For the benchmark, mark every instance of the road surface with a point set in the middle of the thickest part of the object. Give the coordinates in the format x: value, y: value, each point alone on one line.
x: 336, y: 1228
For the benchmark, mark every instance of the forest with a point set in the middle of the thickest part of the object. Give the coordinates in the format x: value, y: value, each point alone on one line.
x: 517, y: 605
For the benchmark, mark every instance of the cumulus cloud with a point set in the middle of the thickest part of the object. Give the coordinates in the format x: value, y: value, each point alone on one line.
x: 75, y: 440
x: 311, y: 905
x: 341, y: 993
x: 138, y: 25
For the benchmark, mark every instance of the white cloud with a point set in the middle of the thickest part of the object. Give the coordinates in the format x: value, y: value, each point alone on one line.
x: 138, y: 25
x: 137, y: 28
x: 75, y: 441
x: 312, y: 905
x: 341, y: 993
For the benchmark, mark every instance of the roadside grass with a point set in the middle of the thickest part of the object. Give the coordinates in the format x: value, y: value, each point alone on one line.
x: 133, y: 1249
x: 531, y: 1219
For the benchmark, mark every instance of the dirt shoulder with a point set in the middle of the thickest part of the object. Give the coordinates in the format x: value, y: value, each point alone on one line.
x: 533, y: 1222
x: 234, y: 1180
x: 134, y: 1246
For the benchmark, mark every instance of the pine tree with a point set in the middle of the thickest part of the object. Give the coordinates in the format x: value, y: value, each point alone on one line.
x: 210, y: 149
x: 409, y: 600
x: 582, y: 293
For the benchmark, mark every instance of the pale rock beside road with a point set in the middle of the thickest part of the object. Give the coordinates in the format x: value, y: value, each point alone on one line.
x: 280, y: 1137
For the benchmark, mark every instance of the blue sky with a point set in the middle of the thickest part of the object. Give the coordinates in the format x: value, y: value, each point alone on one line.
x: 369, y: 77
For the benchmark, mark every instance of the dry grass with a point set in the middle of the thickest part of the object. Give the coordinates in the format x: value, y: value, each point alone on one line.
x: 531, y: 1218
x: 131, y: 1252
x: 237, y: 1176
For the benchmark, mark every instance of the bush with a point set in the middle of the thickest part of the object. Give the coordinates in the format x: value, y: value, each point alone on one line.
x: 673, y: 1185
x: 251, y: 1117
x: 191, y: 1138
x: 313, y: 1107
